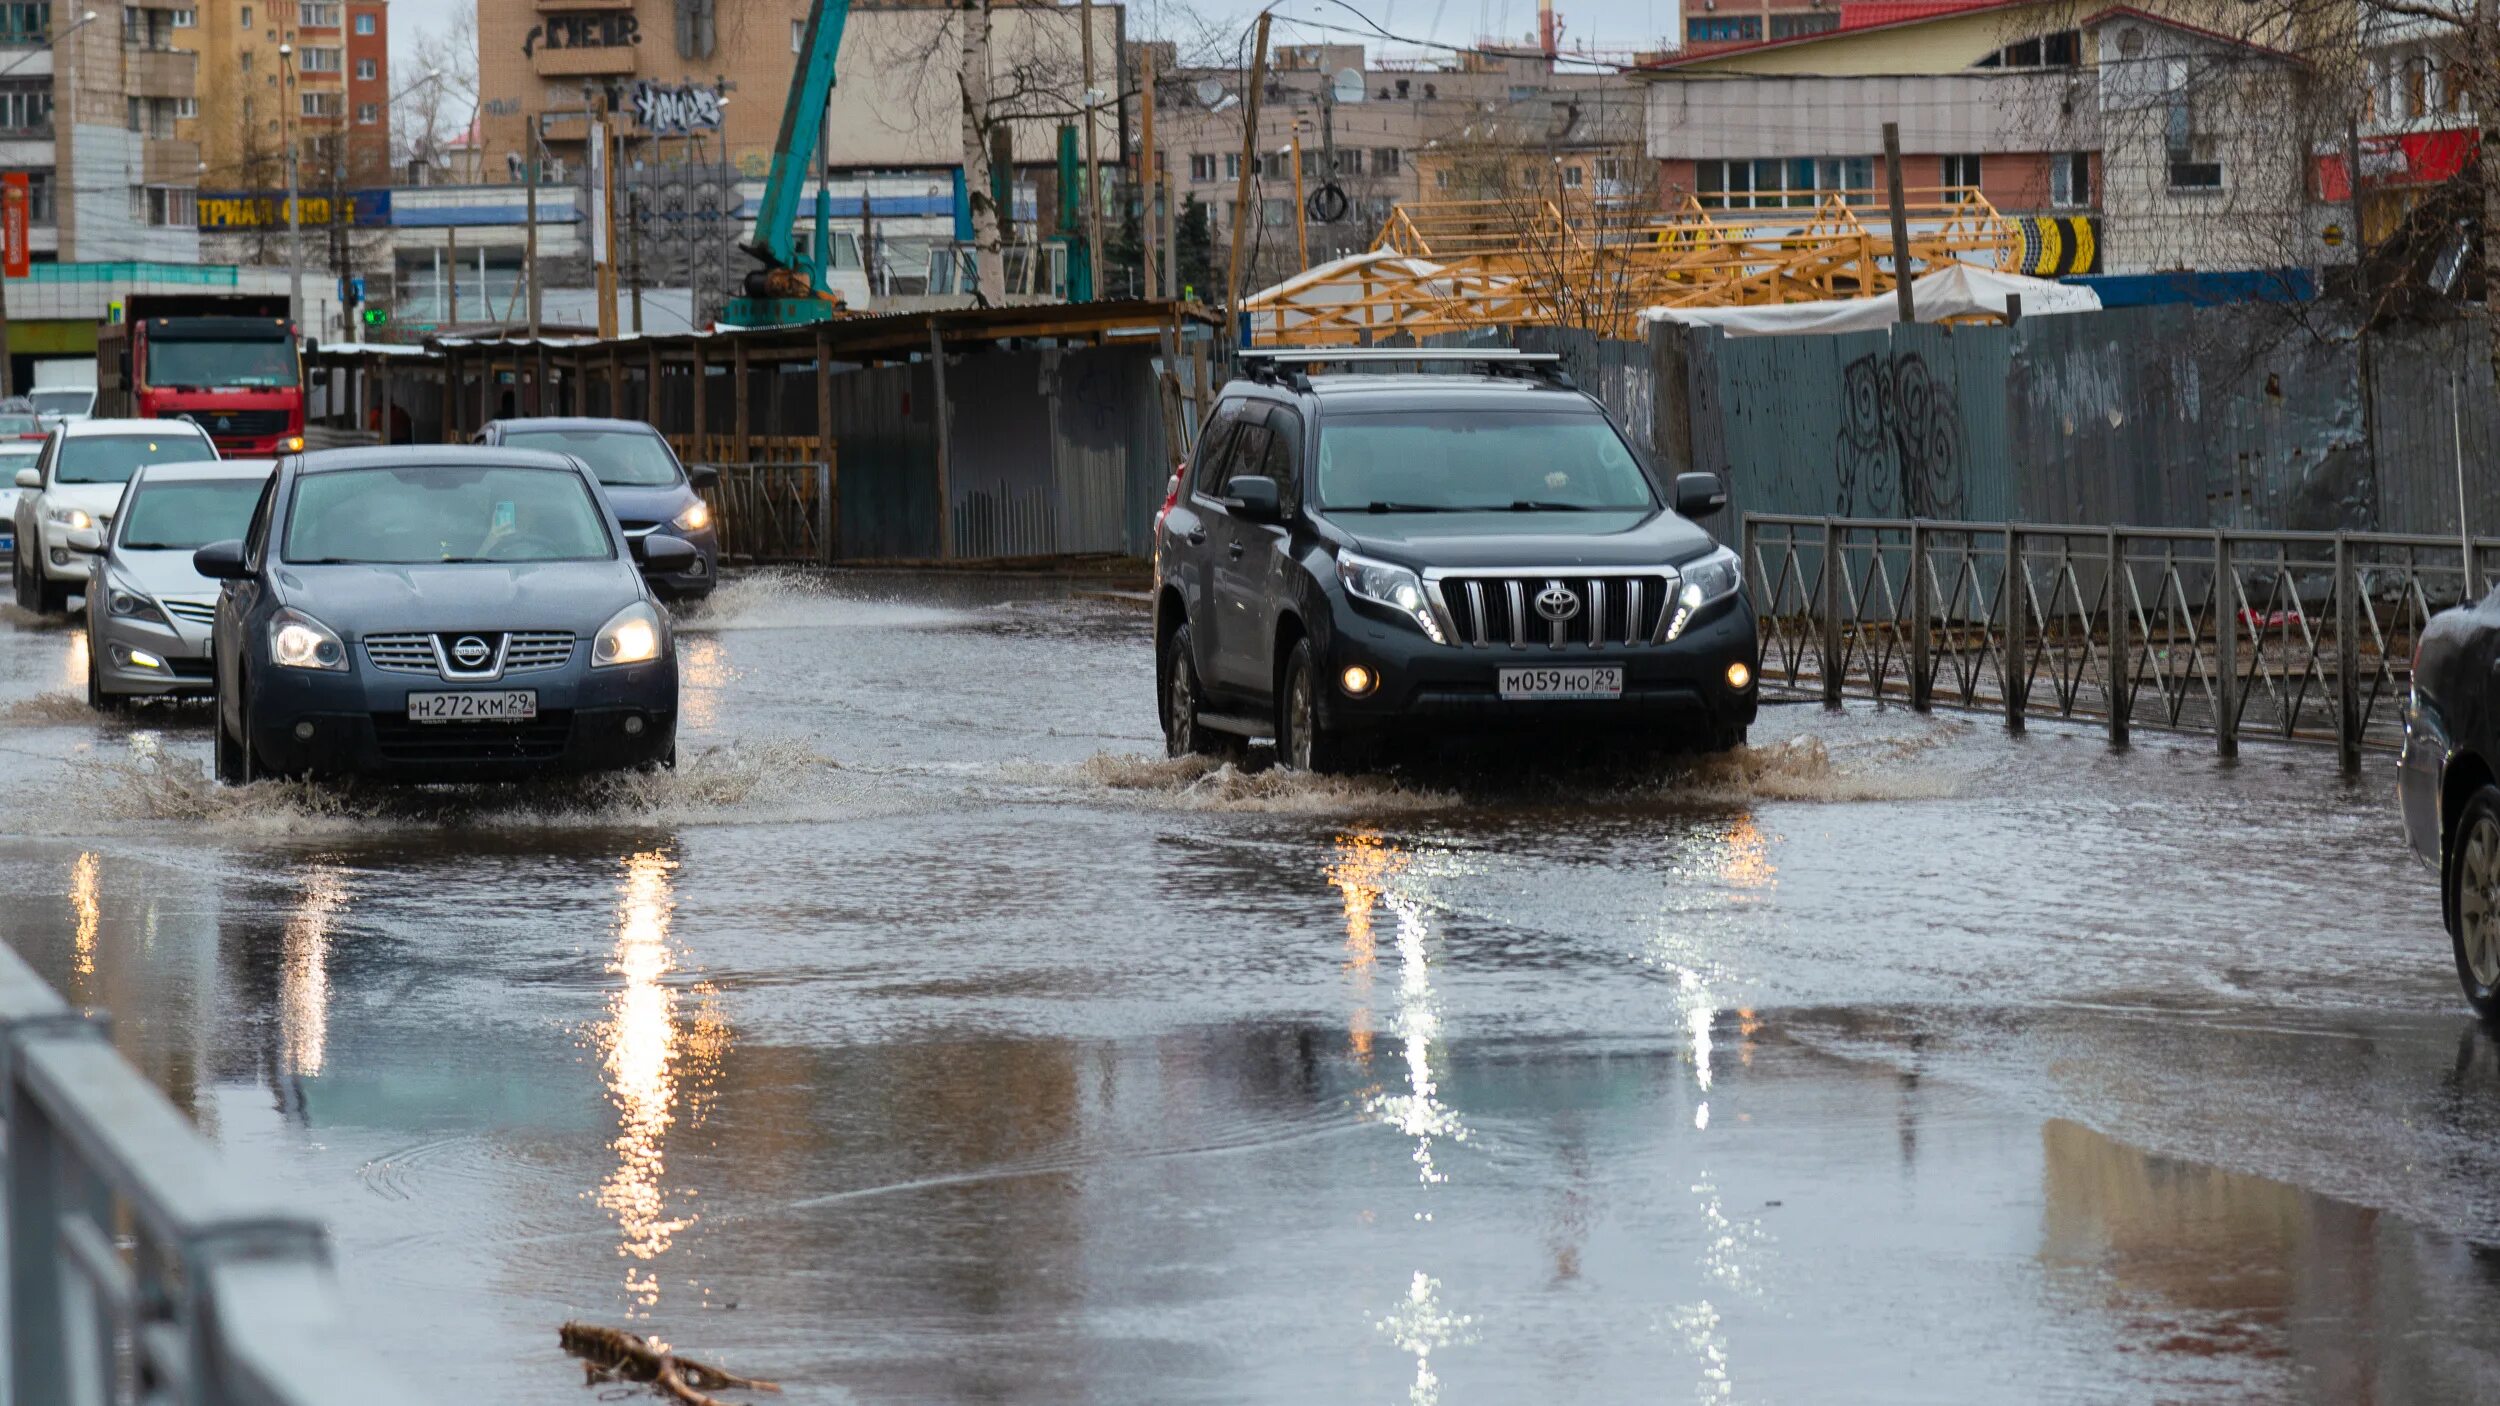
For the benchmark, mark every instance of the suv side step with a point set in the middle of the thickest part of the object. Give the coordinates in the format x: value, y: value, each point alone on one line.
x: 1239, y: 724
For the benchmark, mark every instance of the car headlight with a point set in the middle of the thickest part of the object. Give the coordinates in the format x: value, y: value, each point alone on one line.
x: 631, y: 636
x: 1712, y: 578
x: 693, y: 519
x: 298, y: 641
x: 1386, y: 583
x: 75, y: 519
x: 128, y: 604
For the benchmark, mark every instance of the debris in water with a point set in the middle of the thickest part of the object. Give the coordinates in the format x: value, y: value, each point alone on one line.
x: 612, y: 1354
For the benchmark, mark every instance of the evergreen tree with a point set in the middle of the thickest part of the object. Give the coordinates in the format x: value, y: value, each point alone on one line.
x: 1194, y: 251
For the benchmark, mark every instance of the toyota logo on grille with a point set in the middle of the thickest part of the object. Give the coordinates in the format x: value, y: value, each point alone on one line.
x: 1556, y: 602
x: 470, y: 652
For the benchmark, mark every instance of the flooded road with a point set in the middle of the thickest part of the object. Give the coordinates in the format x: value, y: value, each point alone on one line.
x: 928, y: 1038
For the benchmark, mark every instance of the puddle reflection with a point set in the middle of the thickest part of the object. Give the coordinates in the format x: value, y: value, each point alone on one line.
x: 653, y: 1066
x: 74, y: 663
x: 304, y: 971
x: 1365, y: 864
x: 703, y: 673
x: 89, y: 915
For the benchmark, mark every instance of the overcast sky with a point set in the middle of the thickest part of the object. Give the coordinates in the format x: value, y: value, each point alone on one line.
x: 1607, y: 24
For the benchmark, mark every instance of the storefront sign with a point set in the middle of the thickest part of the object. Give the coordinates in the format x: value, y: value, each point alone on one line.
x: 2400, y: 159
x: 15, y: 255
x: 582, y: 32
x: 247, y: 209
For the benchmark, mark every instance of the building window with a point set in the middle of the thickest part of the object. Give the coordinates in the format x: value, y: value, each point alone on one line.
x: 367, y: 70
x: 320, y: 104
x: 1959, y: 172
x: 1202, y: 166
x: 247, y: 17
x: 1798, y: 26
x: 364, y: 24
x: 39, y: 198
x: 26, y: 109
x: 1609, y: 169
x: 798, y: 35
x: 151, y: 117
x: 2179, y: 136
x: 1801, y: 182
x: 1385, y: 160
x: 1441, y: 179
x: 186, y: 107
x: 161, y: 206
x: 2064, y: 49
x: 247, y: 67
x: 368, y: 114
x: 320, y: 60
x: 1723, y: 30
x: 147, y: 29
x: 317, y: 14
x: 26, y: 23
x: 1232, y: 165
x: 2420, y: 86
x: 2070, y: 179
x: 186, y: 19
x: 1274, y: 213
x: 1573, y: 176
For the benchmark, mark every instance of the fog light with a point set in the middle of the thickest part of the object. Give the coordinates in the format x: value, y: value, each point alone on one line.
x: 633, y: 727
x: 304, y: 731
x: 1739, y: 676
x: 1358, y: 680
x: 141, y: 659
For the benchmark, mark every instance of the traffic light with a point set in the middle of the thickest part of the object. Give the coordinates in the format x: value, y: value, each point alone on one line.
x: 376, y: 317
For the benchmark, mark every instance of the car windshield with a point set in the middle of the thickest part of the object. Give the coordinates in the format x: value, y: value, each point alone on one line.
x: 187, y: 516
x: 113, y: 458
x: 1478, y: 460
x: 19, y: 424
x: 437, y: 513
x: 69, y: 402
x: 238, y: 363
x: 621, y: 458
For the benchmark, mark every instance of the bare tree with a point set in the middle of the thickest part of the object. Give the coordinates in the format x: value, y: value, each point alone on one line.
x: 432, y: 112
x: 978, y: 114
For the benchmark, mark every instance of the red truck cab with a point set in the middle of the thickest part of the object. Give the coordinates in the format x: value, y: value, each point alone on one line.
x: 228, y: 364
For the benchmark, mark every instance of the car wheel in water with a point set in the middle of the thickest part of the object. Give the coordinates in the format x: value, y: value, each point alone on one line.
x: 230, y: 770
x: 1302, y: 741
x: 1183, y: 734
x: 52, y: 597
x: 21, y: 584
x: 97, y: 698
x: 2474, y: 901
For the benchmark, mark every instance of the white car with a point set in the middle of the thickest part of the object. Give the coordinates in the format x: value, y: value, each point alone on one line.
x: 60, y: 405
x: 14, y: 455
x: 74, y: 486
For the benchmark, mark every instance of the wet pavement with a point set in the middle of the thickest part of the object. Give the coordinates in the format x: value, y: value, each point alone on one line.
x: 928, y: 1038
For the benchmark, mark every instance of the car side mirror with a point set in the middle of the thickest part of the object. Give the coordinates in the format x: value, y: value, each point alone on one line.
x: 84, y: 539
x: 663, y: 555
x: 702, y: 475
x: 220, y: 561
x: 1253, y: 498
x: 30, y: 478
x: 1699, y: 494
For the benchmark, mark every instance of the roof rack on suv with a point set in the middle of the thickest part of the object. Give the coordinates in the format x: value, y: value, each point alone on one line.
x: 1264, y: 363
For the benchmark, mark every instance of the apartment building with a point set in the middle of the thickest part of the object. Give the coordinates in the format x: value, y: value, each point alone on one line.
x: 88, y: 112
x: 314, y: 73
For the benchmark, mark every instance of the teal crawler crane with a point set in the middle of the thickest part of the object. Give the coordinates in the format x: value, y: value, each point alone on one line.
x: 788, y: 291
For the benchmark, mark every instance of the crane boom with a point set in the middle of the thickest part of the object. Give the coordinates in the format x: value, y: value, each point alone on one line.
x: 781, y: 291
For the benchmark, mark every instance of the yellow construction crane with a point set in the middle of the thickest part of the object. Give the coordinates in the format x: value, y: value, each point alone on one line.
x: 1444, y: 266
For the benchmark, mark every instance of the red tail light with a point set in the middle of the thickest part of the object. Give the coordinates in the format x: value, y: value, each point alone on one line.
x: 1171, y: 492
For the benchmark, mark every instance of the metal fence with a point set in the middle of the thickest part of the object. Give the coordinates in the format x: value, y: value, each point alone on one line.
x: 773, y: 512
x: 2296, y: 636
x: 140, y: 1267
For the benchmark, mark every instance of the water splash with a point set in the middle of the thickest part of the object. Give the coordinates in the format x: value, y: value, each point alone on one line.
x: 794, y: 600
x: 1210, y: 784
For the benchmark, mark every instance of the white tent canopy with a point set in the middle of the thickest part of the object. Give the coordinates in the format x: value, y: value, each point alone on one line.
x: 1956, y: 290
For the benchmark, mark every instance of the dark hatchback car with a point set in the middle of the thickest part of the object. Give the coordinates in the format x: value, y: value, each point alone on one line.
x: 438, y: 614
x: 2448, y: 785
x: 1355, y: 559
x: 651, y: 492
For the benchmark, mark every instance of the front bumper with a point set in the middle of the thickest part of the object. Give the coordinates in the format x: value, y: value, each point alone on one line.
x: 124, y: 644
x: 1674, y: 693
x: 589, y: 720
x: 56, y: 561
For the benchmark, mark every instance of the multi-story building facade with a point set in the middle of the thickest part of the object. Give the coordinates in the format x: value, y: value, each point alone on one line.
x: 314, y: 73
x: 368, y: 92
x: 89, y: 111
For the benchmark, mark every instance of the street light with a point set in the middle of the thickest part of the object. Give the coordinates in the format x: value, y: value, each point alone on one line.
x: 294, y: 212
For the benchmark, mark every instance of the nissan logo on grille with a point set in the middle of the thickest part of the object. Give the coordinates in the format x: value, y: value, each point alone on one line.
x: 1556, y: 602
x: 470, y: 652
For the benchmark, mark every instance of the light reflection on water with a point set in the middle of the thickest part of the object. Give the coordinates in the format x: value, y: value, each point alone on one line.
x: 652, y: 1065
x: 304, y: 971
x: 703, y: 673
x: 89, y: 915
x: 1365, y: 864
x: 74, y: 663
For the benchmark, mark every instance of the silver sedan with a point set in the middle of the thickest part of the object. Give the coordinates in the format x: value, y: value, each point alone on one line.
x: 149, y: 610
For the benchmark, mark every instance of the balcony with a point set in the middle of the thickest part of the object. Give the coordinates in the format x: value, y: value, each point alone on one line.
x: 578, y: 63
x: 161, y: 73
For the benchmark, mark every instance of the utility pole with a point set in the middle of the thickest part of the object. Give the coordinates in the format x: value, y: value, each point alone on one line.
x: 1249, y: 162
x: 1900, y: 224
x: 451, y: 263
x: 602, y: 225
x: 287, y: 103
x: 529, y: 236
x: 1301, y: 225
x: 1147, y: 184
x: 633, y: 250
x: 1091, y: 186
x: 1171, y: 240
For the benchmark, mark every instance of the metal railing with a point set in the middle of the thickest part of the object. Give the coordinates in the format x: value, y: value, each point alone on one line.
x: 2294, y: 636
x: 141, y: 1268
x: 774, y: 512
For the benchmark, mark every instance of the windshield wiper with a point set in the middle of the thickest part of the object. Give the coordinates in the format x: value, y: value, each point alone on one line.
x: 151, y: 547
x: 1540, y: 505
x: 1380, y: 507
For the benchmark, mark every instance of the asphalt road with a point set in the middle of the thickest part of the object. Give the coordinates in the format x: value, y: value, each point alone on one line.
x: 927, y: 1038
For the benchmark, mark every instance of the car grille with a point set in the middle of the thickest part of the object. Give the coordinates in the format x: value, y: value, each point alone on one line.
x: 197, y: 612
x: 192, y: 670
x: 532, y: 650
x: 246, y: 424
x: 527, y: 651
x: 1609, y: 610
x: 543, y: 738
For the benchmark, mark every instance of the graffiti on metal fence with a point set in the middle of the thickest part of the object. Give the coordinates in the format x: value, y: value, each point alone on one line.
x: 1899, y: 449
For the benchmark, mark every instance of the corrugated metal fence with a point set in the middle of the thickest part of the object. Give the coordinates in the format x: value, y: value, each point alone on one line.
x: 2244, y: 416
